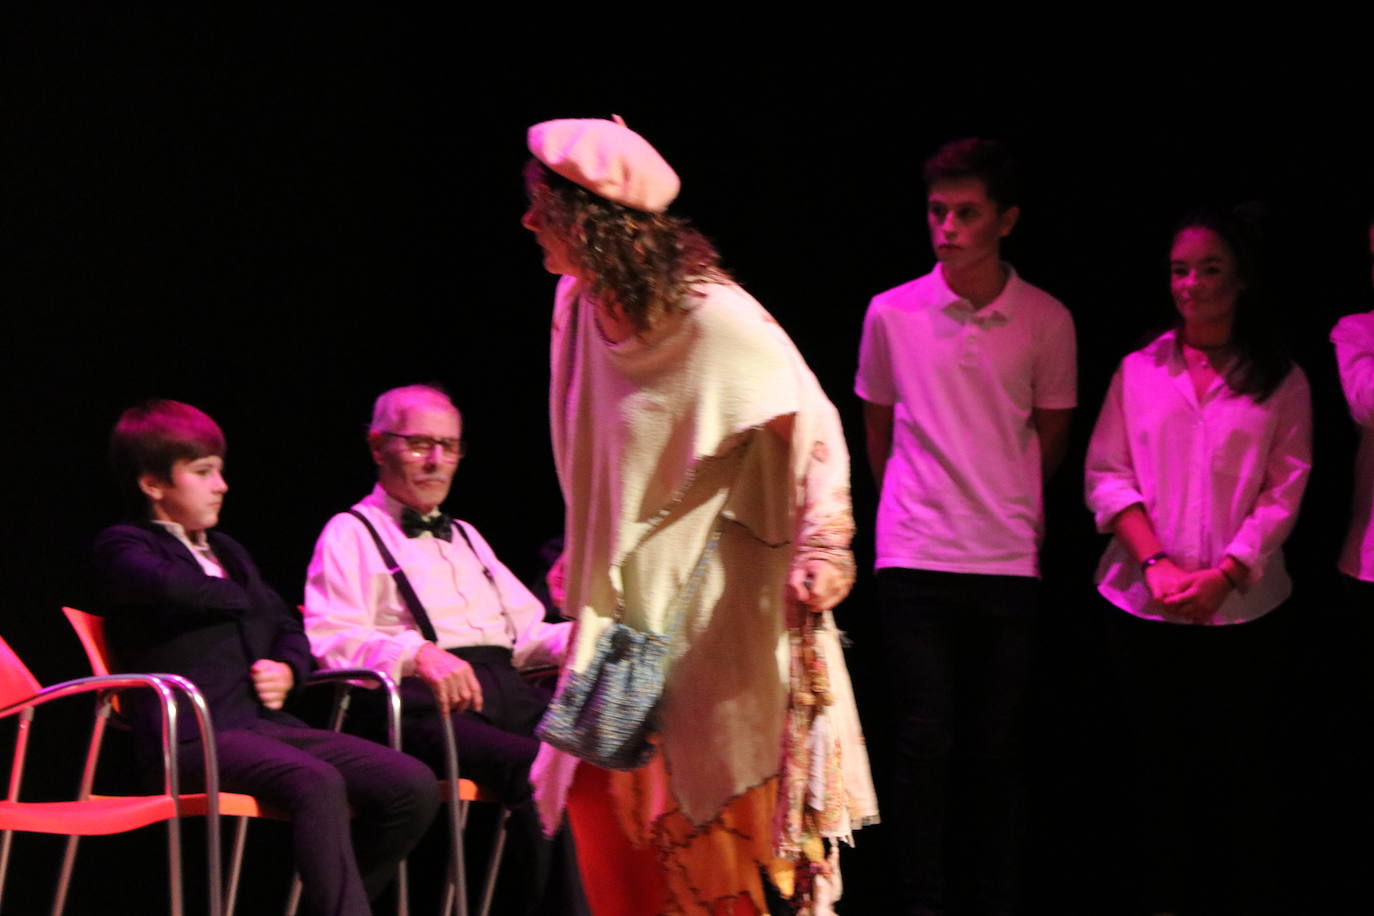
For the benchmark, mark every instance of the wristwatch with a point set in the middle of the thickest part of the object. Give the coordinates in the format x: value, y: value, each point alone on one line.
x: 1152, y: 560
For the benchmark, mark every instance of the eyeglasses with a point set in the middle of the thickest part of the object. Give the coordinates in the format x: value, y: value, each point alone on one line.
x: 423, y: 446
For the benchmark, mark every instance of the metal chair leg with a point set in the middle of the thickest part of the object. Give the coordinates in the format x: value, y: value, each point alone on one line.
x: 174, y: 866
x: 231, y: 894
x: 293, y: 899
x: 456, y: 883
x: 498, y: 849
x: 6, y: 838
x: 64, y: 875
x: 446, y: 907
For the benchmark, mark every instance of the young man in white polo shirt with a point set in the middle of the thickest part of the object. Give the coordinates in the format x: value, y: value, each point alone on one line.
x: 968, y: 377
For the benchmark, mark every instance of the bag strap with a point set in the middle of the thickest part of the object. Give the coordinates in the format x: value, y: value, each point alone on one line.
x: 412, y: 600
x: 687, y: 595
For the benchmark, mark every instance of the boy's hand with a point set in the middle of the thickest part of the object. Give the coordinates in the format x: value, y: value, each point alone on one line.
x: 273, y: 681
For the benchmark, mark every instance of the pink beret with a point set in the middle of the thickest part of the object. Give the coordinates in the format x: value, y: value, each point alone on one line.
x: 606, y: 158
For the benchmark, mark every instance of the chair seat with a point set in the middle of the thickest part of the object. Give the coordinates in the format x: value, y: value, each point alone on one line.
x: 104, y: 814
x: 467, y: 791
x: 94, y: 817
x: 231, y: 804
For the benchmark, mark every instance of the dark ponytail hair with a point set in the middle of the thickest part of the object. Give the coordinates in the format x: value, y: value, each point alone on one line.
x: 1262, y: 360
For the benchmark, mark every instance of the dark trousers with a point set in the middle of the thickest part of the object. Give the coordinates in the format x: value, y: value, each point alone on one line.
x: 1359, y: 609
x: 959, y: 652
x: 496, y: 748
x: 315, y: 776
x: 1202, y: 704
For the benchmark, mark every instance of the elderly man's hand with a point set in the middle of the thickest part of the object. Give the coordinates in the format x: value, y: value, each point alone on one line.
x: 272, y: 680
x: 452, y: 679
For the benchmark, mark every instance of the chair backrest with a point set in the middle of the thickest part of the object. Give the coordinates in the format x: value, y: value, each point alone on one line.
x: 90, y: 629
x: 16, y: 680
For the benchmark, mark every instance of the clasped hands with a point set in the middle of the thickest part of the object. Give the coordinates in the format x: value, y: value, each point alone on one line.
x: 1192, y: 595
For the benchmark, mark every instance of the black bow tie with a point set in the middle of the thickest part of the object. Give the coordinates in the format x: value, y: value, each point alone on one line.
x: 441, y: 526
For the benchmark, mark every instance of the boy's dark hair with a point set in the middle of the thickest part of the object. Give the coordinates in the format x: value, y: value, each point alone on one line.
x: 153, y: 436
x: 975, y: 157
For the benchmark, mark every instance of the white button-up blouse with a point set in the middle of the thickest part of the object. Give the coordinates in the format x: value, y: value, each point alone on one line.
x: 1217, y: 476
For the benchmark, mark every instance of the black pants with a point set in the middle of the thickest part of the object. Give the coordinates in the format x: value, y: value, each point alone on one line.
x: 315, y: 776
x: 495, y: 746
x: 960, y: 650
x: 1202, y: 705
x: 495, y: 750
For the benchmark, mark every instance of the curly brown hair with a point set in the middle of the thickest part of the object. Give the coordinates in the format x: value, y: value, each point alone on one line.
x: 646, y: 264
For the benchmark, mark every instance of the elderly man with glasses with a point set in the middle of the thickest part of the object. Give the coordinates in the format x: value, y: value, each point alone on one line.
x: 397, y: 585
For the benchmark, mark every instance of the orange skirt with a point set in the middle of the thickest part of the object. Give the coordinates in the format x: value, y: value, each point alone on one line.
x: 636, y: 867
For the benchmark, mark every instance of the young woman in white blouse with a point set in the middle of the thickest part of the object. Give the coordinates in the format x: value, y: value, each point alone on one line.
x: 1197, y: 467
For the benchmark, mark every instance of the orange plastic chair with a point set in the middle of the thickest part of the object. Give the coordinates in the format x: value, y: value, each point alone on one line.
x: 90, y: 815
x: 90, y: 629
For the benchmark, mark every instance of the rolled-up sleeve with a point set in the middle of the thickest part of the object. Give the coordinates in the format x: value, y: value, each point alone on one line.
x: 1110, y: 483
x: 1353, y: 337
x: 1285, y: 478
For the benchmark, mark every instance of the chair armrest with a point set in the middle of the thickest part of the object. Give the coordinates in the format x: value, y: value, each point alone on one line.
x: 201, y: 710
x: 346, y: 678
x: 331, y: 675
x: 165, y: 685
x: 93, y: 684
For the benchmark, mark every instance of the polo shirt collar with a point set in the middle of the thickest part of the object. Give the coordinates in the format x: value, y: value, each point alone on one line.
x: 1000, y: 310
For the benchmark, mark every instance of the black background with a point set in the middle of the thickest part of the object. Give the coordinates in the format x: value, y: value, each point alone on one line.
x: 277, y: 220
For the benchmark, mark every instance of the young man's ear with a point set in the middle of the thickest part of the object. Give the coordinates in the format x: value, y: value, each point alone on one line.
x: 1006, y: 221
x: 151, y: 485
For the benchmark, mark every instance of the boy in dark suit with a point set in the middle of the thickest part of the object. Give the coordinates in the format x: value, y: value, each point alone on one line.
x: 181, y: 598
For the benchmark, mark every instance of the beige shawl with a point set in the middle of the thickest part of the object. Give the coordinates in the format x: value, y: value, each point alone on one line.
x: 709, y: 421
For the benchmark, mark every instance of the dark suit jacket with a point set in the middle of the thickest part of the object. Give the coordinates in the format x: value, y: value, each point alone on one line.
x: 165, y: 615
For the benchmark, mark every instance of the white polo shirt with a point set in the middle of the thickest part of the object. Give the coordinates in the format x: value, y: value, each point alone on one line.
x: 962, y: 489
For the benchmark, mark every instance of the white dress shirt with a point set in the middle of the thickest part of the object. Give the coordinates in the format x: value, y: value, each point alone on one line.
x: 1354, y: 340
x: 1217, y: 476
x: 355, y: 616
x: 199, y: 549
